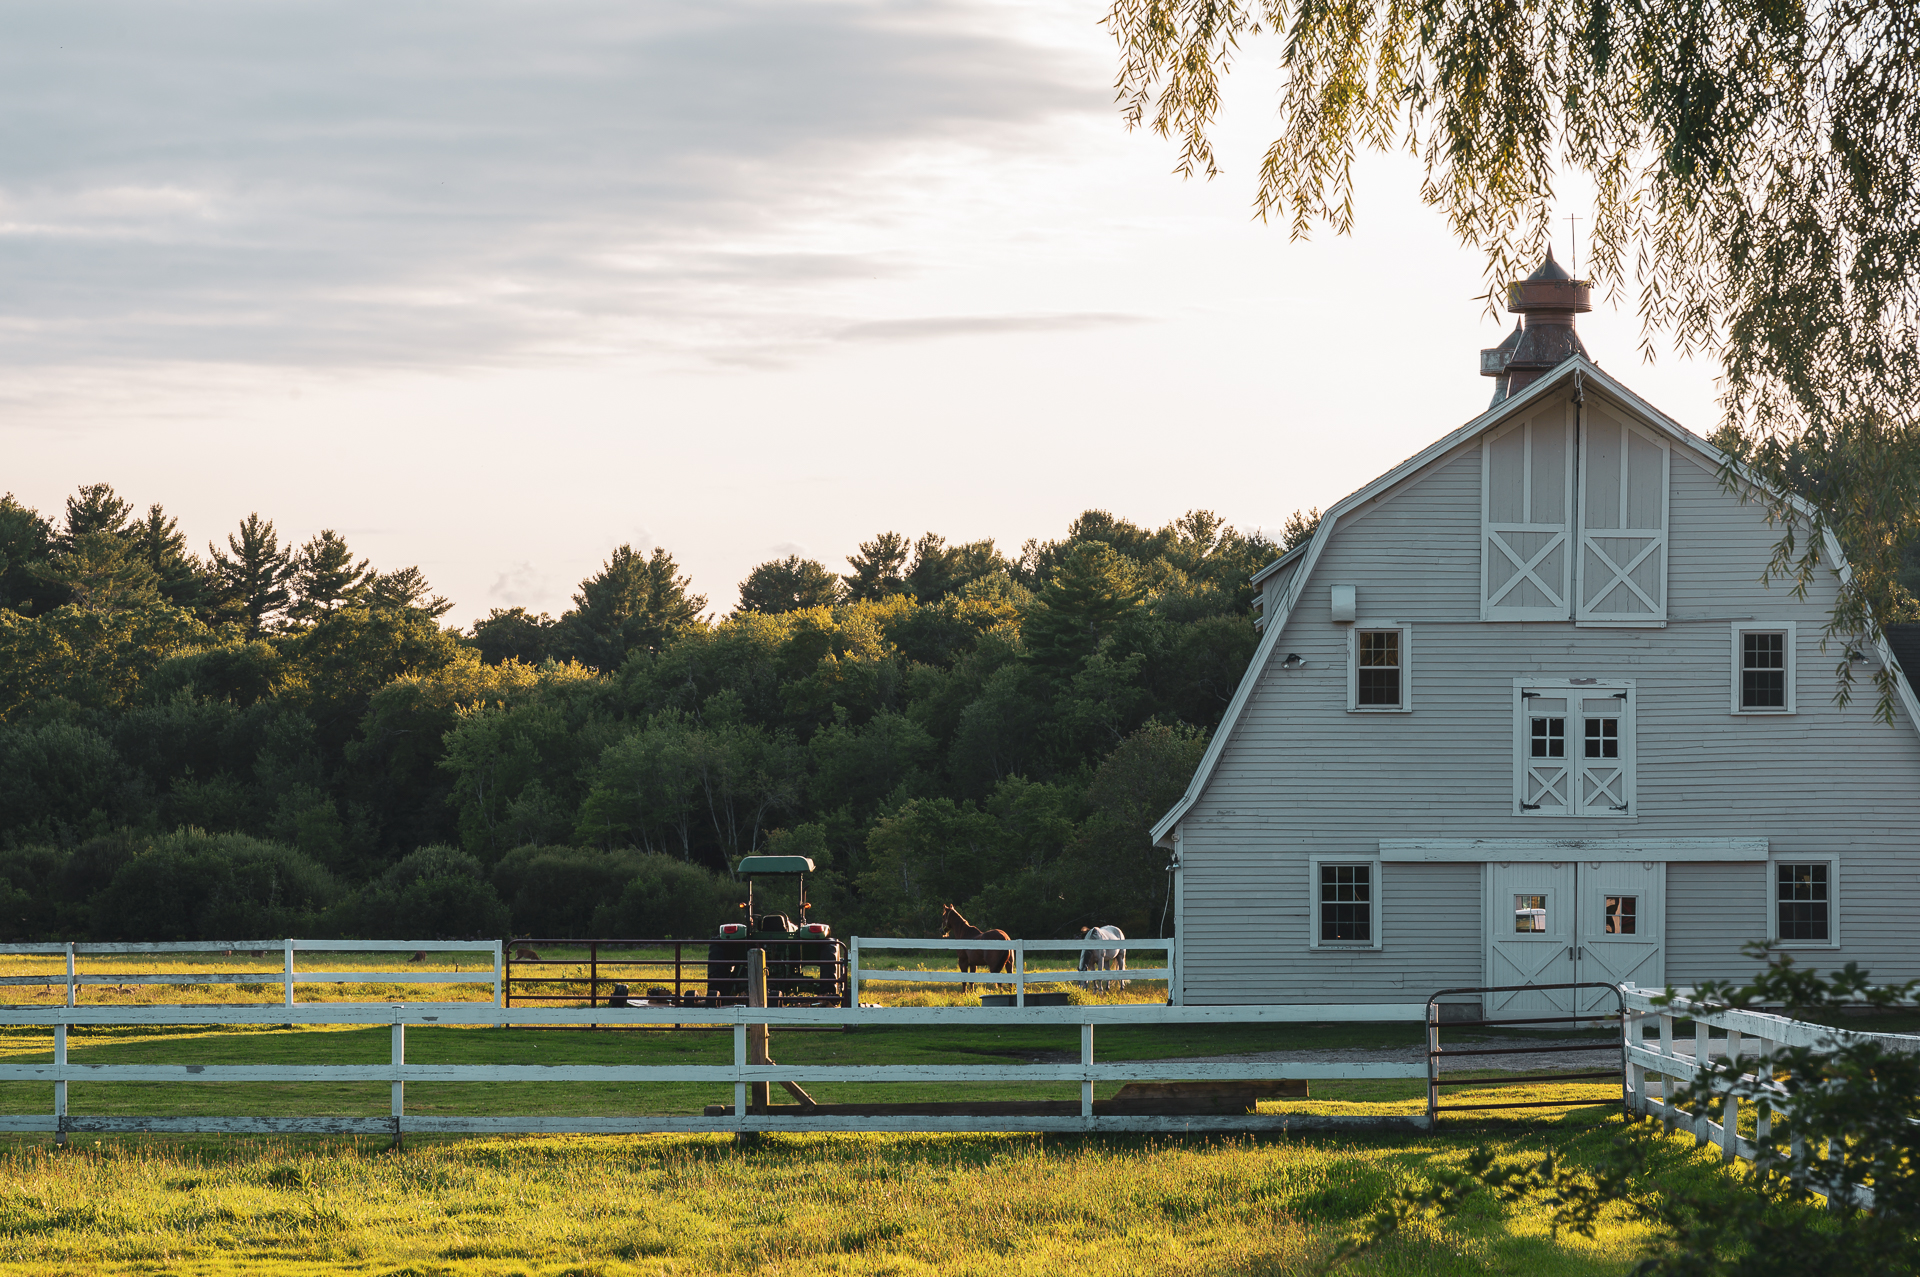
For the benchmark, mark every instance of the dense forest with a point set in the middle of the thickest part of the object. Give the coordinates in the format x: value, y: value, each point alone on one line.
x: 276, y: 739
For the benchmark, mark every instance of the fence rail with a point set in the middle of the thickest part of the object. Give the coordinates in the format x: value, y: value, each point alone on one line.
x: 1020, y: 976
x: 287, y: 976
x: 1749, y: 1035
x: 739, y: 1073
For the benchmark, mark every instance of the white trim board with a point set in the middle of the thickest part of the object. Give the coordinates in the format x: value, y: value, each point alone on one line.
x: 1483, y: 850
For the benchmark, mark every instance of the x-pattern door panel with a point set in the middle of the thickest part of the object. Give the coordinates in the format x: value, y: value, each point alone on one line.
x: 1566, y: 922
x: 1529, y: 926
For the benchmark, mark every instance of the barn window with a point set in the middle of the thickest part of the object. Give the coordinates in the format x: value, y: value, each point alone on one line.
x: 1346, y: 904
x: 1622, y: 915
x: 1377, y: 670
x: 1803, y: 898
x: 1763, y: 669
x: 1574, y: 748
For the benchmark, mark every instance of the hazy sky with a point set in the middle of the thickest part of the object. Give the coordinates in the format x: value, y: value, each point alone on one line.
x: 492, y: 288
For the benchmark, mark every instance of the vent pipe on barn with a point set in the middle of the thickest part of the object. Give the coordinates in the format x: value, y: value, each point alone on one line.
x: 1546, y: 302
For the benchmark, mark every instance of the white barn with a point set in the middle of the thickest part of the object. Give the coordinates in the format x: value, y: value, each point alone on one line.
x: 1524, y: 711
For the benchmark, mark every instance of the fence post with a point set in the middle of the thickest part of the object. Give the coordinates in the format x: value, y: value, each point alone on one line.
x: 289, y: 972
x: 1086, y: 1064
x: 1702, y: 1056
x: 1020, y: 973
x: 739, y: 1083
x: 499, y: 982
x: 60, y: 1087
x: 69, y: 973
x: 758, y: 1051
x: 399, y: 1087
x: 1433, y: 1065
x: 853, y: 972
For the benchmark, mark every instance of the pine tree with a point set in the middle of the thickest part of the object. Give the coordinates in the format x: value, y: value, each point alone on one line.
x: 406, y: 588
x: 632, y: 604
x: 26, y: 540
x: 878, y: 568
x: 253, y: 578
x: 102, y: 571
x: 325, y: 578
x: 1094, y: 588
x: 95, y: 508
x: 181, y: 578
x: 787, y: 585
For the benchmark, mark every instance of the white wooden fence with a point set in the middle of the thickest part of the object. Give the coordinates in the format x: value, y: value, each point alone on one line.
x: 287, y: 976
x: 1019, y: 977
x: 1749, y: 1035
x: 1088, y: 1071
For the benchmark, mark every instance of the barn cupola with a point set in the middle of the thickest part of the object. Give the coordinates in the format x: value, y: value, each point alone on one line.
x: 1546, y: 302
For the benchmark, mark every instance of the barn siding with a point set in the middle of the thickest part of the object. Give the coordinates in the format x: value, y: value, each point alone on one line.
x: 1301, y: 776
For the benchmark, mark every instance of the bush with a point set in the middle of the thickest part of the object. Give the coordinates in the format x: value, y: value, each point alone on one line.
x: 436, y: 893
x: 670, y: 899
x: 554, y: 891
x: 192, y: 885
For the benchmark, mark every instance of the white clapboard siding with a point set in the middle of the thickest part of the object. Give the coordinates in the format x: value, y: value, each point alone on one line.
x: 1527, y: 517
x: 1622, y: 564
x: 1299, y: 775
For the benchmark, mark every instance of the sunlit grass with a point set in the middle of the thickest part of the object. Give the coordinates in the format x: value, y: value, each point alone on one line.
x: 797, y: 1204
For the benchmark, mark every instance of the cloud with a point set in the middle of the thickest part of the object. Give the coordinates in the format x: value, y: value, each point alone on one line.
x: 936, y: 326
x: 522, y: 585
x: 440, y: 182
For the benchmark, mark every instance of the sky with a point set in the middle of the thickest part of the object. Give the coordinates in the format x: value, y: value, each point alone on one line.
x: 493, y: 288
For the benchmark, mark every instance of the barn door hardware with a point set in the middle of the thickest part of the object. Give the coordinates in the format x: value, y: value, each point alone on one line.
x: 1529, y: 806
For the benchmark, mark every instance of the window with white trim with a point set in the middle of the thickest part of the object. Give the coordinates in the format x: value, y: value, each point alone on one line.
x: 1378, y: 668
x: 1803, y: 897
x: 1574, y: 748
x: 1346, y: 903
x: 1764, y: 668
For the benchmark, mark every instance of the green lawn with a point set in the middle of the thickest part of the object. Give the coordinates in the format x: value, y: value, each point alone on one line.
x: 574, y: 1207
x: 855, y: 1204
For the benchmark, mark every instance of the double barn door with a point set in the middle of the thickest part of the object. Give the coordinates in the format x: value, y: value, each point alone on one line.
x: 1564, y: 922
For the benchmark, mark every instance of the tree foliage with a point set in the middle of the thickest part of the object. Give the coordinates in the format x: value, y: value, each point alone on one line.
x: 1755, y: 192
x: 999, y: 734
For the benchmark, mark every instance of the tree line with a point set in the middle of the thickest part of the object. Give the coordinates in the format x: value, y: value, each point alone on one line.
x: 279, y: 738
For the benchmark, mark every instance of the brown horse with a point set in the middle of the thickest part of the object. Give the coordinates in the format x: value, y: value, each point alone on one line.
x: 955, y: 927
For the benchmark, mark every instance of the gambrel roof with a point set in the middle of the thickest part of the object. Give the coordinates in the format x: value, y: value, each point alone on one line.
x: 1586, y: 378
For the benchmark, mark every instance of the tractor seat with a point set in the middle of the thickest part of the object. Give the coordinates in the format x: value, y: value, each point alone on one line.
x: 775, y: 922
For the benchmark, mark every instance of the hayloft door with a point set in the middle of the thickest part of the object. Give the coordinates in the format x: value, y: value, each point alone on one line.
x: 1530, y: 936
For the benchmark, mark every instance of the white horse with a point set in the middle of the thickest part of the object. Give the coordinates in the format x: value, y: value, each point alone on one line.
x: 1104, y: 959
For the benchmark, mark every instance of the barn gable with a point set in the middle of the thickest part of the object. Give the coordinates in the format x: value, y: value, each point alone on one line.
x: 1575, y: 525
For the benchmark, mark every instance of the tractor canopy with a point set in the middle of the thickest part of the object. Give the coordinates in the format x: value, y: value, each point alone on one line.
x: 774, y: 865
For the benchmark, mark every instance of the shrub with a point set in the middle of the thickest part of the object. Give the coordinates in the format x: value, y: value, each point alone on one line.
x: 436, y: 893
x: 192, y: 885
x: 669, y: 898
x: 554, y: 891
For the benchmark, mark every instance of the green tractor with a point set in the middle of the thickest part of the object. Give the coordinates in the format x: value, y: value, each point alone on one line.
x: 806, y: 966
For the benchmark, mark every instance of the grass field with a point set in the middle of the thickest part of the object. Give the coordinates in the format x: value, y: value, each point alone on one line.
x: 574, y: 1207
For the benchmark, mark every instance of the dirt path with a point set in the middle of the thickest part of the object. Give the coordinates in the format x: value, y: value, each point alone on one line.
x: 1586, y: 1058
